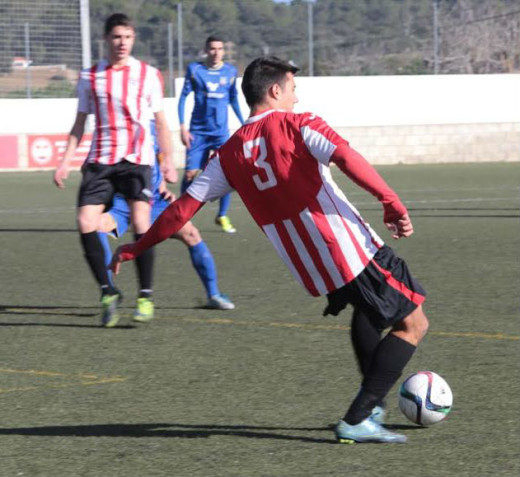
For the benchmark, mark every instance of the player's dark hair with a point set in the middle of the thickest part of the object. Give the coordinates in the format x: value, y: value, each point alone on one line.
x: 263, y: 73
x: 211, y: 39
x: 115, y: 20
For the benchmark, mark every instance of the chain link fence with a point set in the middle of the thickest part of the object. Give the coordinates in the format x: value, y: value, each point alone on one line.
x: 41, y: 51
x: 40, y: 48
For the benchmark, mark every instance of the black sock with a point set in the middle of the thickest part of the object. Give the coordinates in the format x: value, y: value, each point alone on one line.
x: 365, y: 338
x: 95, y: 256
x: 144, y: 264
x: 388, y: 362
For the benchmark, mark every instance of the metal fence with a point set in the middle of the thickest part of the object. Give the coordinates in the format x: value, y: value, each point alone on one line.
x: 41, y: 48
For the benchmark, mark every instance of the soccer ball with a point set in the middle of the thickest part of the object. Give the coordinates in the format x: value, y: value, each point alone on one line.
x: 425, y: 398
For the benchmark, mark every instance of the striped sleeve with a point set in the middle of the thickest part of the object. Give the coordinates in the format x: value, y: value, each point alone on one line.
x: 84, y: 93
x: 319, y: 137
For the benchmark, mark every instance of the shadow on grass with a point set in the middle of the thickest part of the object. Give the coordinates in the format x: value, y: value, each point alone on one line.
x: 173, y: 430
x: 62, y: 311
x: 184, y: 431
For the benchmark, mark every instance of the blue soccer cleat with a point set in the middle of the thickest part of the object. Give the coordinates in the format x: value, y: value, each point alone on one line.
x: 366, y: 431
x: 220, y: 302
x: 378, y: 414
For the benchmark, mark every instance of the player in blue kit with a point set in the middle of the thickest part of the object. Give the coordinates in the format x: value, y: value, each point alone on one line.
x: 117, y: 220
x: 213, y: 83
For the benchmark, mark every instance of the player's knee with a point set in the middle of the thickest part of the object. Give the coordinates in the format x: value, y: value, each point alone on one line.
x: 413, y: 328
x: 418, y: 324
x: 87, y: 223
x: 189, y: 235
x: 191, y: 174
x: 106, y: 223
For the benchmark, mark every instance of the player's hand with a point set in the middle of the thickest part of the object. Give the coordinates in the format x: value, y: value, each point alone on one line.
x: 169, y: 172
x: 60, y: 174
x: 166, y: 194
x: 122, y: 254
x: 186, y: 138
x: 400, y: 228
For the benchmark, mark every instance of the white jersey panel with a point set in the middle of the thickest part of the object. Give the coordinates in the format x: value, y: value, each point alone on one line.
x: 319, y: 146
x: 211, y: 184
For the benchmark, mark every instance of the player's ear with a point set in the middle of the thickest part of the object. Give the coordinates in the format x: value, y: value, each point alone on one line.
x: 275, y: 91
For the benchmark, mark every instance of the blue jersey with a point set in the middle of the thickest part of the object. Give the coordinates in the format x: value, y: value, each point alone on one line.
x: 214, y: 89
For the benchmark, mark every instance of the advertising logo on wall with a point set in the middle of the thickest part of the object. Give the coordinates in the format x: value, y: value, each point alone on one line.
x: 46, y: 150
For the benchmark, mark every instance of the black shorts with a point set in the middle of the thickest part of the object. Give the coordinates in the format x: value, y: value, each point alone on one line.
x: 100, y: 182
x: 385, y: 290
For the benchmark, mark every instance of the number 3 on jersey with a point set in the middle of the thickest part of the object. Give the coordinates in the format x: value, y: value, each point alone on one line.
x: 261, y: 163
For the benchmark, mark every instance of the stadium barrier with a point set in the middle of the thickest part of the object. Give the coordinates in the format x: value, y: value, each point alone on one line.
x: 389, y: 119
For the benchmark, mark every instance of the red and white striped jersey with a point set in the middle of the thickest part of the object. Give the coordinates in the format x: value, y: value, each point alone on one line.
x: 123, y: 102
x: 278, y: 162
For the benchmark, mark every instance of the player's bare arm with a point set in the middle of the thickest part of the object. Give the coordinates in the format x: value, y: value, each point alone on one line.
x: 186, y: 136
x: 358, y: 169
x: 165, y: 145
x: 62, y: 171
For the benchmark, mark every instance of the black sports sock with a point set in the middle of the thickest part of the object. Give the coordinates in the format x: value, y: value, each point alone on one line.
x: 365, y: 338
x: 388, y: 362
x: 144, y: 265
x: 95, y: 256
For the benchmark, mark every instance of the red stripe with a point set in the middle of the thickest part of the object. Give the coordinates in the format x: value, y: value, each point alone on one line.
x: 414, y: 297
x: 111, y: 117
x: 97, y: 146
x: 359, y: 250
x: 312, y: 250
x: 141, y: 130
x: 333, y: 245
x: 126, y: 111
x: 295, y: 259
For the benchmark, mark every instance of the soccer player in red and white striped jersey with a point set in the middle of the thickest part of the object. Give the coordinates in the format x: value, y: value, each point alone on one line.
x: 278, y: 162
x: 123, y: 94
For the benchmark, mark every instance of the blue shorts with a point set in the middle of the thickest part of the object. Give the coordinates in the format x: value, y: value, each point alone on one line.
x: 201, y: 145
x: 120, y: 212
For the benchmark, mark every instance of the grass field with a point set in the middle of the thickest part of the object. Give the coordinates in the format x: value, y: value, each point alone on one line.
x: 254, y: 392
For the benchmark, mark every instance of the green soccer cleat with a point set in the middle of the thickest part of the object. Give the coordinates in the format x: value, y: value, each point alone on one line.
x: 366, y: 431
x: 110, y: 316
x: 225, y: 224
x: 144, y: 311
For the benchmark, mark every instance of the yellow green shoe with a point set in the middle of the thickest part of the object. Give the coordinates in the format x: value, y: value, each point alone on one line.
x: 225, y: 224
x: 110, y: 316
x: 144, y: 311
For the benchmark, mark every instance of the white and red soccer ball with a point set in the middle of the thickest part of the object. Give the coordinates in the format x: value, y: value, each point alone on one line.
x: 425, y: 398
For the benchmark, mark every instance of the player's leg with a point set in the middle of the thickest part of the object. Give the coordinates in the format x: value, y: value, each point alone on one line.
x: 88, y: 217
x: 204, y: 265
x: 365, y: 338
x: 140, y: 212
x: 401, y: 309
x: 115, y: 222
x: 134, y: 184
x: 95, y: 191
x: 222, y: 218
x: 195, y: 156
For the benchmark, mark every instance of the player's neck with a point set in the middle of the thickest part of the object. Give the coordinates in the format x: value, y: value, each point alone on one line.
x: 214, y: 66
x: 118, y: 63
x: 263, y: 107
